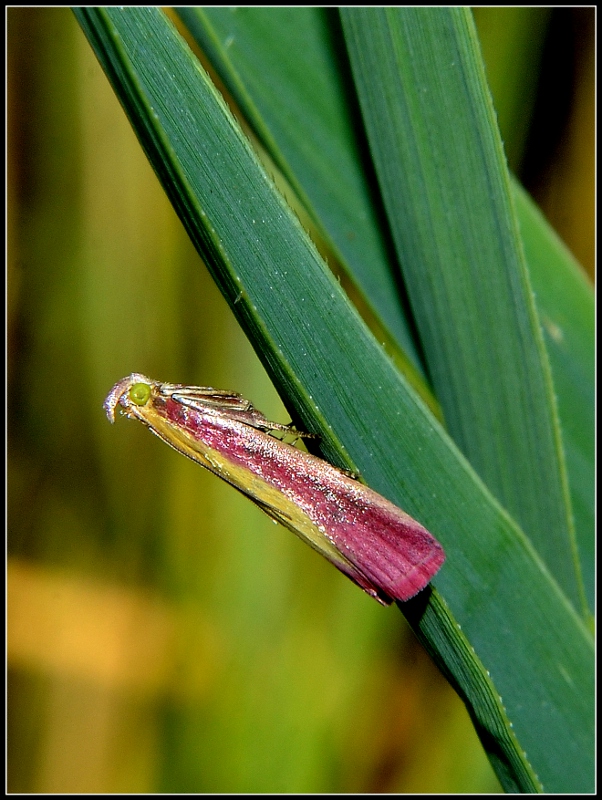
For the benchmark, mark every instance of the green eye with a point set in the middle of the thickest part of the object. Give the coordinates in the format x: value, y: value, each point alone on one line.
x: 140, y: 394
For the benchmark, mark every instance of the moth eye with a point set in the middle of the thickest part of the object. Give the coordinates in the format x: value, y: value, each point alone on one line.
x: 140, y: 394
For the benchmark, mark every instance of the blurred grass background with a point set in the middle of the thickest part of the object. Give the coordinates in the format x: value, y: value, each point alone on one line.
x: 165, y: 636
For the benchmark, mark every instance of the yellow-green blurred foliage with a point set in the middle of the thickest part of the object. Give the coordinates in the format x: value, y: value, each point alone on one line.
x: 540, y: 67
x: 165, y: 636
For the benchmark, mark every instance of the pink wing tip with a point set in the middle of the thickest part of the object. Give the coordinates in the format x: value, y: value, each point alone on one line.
x: 422, y: 574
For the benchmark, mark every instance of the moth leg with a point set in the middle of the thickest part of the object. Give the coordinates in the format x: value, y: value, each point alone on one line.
x: 288, y: 430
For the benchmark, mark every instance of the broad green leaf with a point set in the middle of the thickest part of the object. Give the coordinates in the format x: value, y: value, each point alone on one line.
x: 445, y: 185
x: 302, y: 116
x: 520, y: 639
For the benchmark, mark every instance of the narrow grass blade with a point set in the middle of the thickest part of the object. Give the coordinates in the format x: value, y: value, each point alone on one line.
x: 446, y: 188
x: 565, y: 304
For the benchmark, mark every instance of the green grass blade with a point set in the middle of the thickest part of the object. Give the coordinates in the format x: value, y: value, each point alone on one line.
x: 319, y: 112
x: 317, y: 143
x: 565, y: 302
x: 445, y: 185
x: 338, y: 380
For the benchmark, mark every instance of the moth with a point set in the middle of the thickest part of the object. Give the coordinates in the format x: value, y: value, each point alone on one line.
x: 380, y: 547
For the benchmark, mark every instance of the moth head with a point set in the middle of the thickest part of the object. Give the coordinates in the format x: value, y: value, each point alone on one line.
x: 135, y: 390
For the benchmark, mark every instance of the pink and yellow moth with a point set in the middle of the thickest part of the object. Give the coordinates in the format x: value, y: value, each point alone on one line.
x: 376, y: 544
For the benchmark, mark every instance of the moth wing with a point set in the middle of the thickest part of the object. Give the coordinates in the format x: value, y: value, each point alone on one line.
x: 322, y: 546
x: 205, y: 400
x: 203, y: 396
